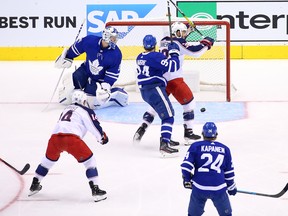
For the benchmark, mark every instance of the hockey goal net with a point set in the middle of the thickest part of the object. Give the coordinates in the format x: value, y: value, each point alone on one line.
x: 210, y: 72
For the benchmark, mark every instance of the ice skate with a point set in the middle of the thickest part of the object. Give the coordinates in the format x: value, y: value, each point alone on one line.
x: 35, y: 187
x: 140, y: 132
x: 189, y: 136
x: 97, y: 193
x: 166, y: 150
x: 174, y: 144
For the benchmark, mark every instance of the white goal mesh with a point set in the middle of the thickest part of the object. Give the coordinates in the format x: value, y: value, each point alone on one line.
x: 210, y: 72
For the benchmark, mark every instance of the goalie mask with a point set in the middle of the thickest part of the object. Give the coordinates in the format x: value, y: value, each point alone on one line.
x: 179, y: 29
x: 80, y: 97
x: 110, y: 36
x: 149, y: 42
x: 209, y: 130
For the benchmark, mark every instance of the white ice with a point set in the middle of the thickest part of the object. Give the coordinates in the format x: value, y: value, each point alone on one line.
x: 138, y: 181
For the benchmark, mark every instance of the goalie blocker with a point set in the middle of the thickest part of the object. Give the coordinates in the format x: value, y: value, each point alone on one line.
x: 116, y: 97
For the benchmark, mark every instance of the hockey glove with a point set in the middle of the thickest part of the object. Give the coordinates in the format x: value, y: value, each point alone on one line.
x: 102, y: 95
x: 232, y: 190
x: 62, y: 61
x: 190, y: 29
x: 187, y: 184
x: 106, y: 86
x: 173, y: 49
x: 104, y: 139
x: 207, y: 41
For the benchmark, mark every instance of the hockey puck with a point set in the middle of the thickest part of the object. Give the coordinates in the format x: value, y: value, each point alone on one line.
x: 203, y: 109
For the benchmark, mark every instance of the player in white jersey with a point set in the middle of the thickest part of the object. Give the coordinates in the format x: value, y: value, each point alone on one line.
x: 73, y: 124
x: 176, y: 84
x: 208, y: 170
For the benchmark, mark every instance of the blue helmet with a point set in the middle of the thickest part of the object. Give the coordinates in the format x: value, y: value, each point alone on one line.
x: 149, y: 42
x: 209, y: 130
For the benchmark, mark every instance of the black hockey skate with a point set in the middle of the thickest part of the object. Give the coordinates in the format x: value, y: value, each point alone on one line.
x: 189, y: 136
x: 174, y: 143
x: 97, y: 193
x: 166, y: 150
x: 35, y: 187
x: 140, y: 132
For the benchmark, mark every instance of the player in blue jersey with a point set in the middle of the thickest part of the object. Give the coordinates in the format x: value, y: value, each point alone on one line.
x: 97, y: 73
x: 151, y: 66
x: 176, y: 84
x: 208, y: 170
x: 73, y: 124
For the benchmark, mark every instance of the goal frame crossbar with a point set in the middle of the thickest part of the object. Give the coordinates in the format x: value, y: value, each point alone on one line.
x: 196, y: 22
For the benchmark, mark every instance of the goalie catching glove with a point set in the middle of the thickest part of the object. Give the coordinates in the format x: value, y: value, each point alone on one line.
x: 208, y: 42
x: 62, y: 61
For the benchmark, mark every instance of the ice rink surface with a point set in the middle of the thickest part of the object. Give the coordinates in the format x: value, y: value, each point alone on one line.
x: 138, y: 181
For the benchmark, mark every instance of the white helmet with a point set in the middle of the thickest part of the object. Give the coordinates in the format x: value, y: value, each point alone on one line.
x: 80, y: 97
x: 178, y: 26
x: 110, y: 36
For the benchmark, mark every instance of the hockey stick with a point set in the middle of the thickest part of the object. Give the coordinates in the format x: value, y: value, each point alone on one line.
x: 283, y: 191
x: 21, y: 172
x: 169, y: 19
x: 189, y: 21
x: 80, y: 29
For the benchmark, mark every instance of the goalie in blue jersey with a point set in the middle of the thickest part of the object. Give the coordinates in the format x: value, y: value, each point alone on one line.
x: 151, y: 66
x: 97, y: 73
x: 208, y: 170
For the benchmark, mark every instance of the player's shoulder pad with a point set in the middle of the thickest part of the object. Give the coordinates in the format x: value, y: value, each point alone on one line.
x: 88, y: 110
x: 166, y: 38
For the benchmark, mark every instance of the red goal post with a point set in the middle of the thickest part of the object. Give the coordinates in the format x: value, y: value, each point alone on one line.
x: 131, y: 33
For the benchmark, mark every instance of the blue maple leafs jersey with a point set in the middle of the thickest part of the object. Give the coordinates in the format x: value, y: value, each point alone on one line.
x: 102, y: 64
x: 212, y: 165
x: 152, y: 65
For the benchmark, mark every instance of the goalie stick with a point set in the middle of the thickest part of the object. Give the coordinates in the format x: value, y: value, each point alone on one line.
x: 59, y: 79
x: 21, y: 172
x: 189, y: 21
x: 283, y: 191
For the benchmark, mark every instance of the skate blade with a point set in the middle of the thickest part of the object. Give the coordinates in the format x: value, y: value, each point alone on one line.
x: 136, y: 141
x: 188, y: 142
x: 175, y: 147
x: 136, y: 138
x: 99, y: 198
x: 33, y: 193
x: 169, y: 155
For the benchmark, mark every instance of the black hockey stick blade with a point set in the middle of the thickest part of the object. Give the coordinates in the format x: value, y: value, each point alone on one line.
x: 21, y: 172
x: 281, y: 193
x: 25, y: 169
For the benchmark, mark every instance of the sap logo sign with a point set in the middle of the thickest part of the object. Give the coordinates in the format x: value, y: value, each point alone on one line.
x: 98, y: 15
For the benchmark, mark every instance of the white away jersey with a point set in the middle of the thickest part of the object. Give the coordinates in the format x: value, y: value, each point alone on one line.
x: 186, y: 48
x: 77, y: 119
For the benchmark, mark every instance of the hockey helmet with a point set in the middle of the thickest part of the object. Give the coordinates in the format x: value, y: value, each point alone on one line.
x: 110, y: 36
x: 80, y: 97
x: 149, y: 42
x: 209, y: 130
x: 178, y: 26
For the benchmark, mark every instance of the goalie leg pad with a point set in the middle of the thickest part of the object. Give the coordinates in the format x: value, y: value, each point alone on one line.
x: 118, y: 97
x: 66, y: 90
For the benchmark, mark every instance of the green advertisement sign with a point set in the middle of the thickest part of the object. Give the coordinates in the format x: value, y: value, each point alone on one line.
x: 204, y: 10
